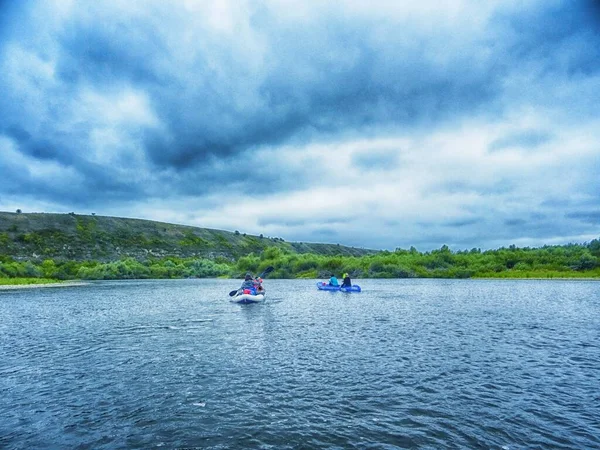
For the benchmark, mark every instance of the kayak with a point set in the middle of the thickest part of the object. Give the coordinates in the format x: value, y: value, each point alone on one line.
x: 245, y: 299
x: 323, y: 286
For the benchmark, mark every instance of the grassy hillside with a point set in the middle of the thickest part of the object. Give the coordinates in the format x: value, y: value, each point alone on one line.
x: 38, y: 236
x: 69, y: 246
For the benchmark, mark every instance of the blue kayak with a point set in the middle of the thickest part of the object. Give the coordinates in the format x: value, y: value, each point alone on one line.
x: 323, y: 286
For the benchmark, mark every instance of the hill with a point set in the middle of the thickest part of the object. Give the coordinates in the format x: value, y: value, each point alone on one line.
x: 37, y: 236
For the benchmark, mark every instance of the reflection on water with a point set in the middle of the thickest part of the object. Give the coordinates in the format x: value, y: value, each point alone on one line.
x: 404, y: 364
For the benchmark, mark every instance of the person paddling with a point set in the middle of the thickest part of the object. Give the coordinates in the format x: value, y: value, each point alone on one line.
x: 333, y: 281
x: 247, y: 284
x: 346, y: 282
x: 252, y: 284
x: 258, y: 284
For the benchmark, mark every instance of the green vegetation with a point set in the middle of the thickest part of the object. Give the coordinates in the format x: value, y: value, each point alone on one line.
x: 68, y: 246
x: 25, y: 281
x: 568, y: 261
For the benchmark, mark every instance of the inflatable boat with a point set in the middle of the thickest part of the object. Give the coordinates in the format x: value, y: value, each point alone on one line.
x: 323, y: 286
x: 249, y: 298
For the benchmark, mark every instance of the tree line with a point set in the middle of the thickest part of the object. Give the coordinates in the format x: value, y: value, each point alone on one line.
x: 561, y: 261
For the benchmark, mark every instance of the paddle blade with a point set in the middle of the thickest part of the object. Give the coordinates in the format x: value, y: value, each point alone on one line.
x: 267, y: 271
x: 232, y: 293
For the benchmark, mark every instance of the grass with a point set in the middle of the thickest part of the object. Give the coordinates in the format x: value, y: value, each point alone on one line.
x: 542, y: 274
x: 20, y: 281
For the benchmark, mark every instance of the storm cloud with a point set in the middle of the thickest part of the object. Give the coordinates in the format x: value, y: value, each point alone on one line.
x: 377, y: 125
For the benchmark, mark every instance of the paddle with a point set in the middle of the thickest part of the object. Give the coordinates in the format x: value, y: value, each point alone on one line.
x: 267, y: 271
x: 263, y: 274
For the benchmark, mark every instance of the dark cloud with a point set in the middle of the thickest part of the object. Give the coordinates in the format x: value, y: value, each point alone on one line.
x: 102, y: 50
x: 302, y: 90
x: 17, y: 133
x: 8, y: 9
x: 44, y: 149
x: 592, y: 9
x: 461, y: 223
x: 586, y: 216
x: 80, y: 184
x: 515, y: 222
x: 539, y: 230
x: 562, y: 36
x: 130, y: 101
x: 568, y: 201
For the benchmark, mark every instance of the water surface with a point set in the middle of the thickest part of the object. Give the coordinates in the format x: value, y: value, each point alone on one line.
x: 404, y: 364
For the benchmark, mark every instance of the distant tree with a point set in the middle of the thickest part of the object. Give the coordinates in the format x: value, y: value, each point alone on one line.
x: 586, y: 262
x: 594, y: 247
x: 237, y: 233
x: 261, y: 236
x: 18, y: 211
x: 93, y: 214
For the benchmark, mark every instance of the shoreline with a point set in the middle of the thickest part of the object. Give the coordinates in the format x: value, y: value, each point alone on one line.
x: 538, y: 278
x: 6, y: 287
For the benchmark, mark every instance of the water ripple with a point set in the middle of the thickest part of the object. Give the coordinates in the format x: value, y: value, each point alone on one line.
x: 404, y: 364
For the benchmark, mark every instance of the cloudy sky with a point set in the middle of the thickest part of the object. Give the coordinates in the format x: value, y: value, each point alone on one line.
x: 377, y: 124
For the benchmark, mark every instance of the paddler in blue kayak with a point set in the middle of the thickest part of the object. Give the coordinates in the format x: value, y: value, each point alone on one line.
x: 347, y: 282
x: 333, y: 281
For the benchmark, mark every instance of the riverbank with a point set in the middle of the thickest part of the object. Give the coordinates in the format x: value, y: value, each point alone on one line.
x: 4, y: 287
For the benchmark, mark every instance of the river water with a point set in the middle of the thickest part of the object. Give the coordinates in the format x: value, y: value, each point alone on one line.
x: 433, y: 364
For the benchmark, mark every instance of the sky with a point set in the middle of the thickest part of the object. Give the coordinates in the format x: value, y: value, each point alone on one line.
x: 378, y: 124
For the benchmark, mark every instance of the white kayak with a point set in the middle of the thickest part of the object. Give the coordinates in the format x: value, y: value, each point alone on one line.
x: 249, y: 298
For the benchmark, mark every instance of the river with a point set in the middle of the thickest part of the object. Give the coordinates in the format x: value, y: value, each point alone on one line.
x: 432, y: 364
